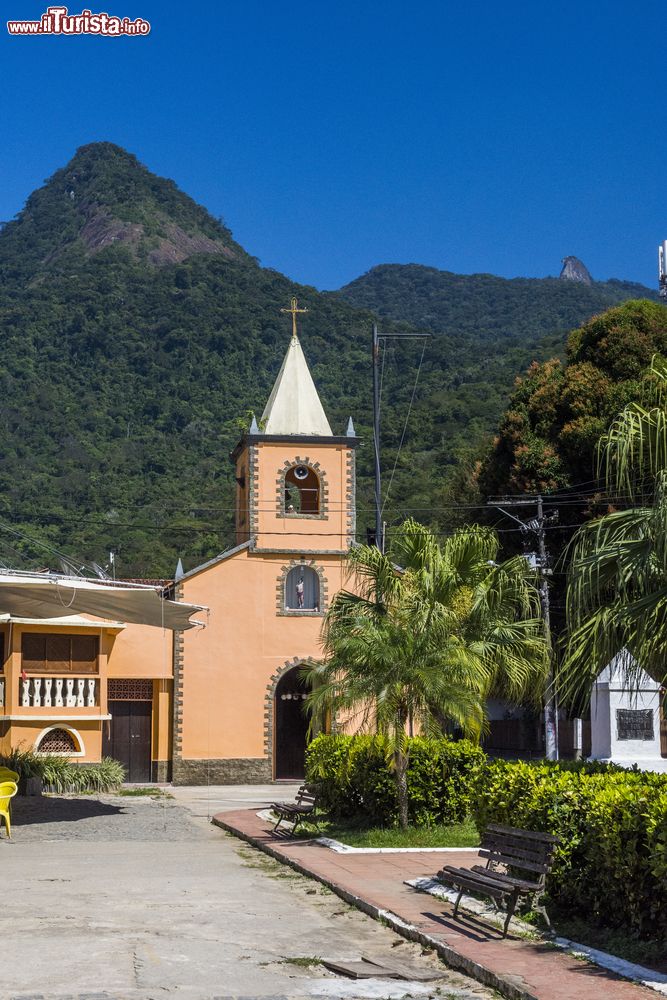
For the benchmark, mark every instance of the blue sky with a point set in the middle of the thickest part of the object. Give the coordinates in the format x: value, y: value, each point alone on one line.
x: 332, y: 137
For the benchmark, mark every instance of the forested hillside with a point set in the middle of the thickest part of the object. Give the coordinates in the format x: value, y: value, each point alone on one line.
x: 489, y: 309
x: 136, y: 337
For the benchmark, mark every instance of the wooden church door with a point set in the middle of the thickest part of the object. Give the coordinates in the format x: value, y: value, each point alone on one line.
x: 291, y: 726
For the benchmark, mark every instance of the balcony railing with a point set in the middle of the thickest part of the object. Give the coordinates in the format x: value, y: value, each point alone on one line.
x: 59, y: 692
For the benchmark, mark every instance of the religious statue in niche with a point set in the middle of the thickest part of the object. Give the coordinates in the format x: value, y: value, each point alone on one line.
x: 299, y: 592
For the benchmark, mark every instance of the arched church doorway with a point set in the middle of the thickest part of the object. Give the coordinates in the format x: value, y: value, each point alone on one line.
x: 291, y: 725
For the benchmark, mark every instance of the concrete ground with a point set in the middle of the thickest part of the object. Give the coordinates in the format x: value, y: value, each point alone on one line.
x: 206, y: 802
x: 121, y: 898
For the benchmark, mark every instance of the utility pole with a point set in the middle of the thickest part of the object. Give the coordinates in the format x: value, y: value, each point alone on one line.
x: 537, y: 526
x: 379, y: 533
x: 550, y: 710
x: 375, y: 358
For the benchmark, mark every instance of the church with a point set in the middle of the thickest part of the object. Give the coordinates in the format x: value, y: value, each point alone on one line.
x: 221, y: 703
x: 238, y: 693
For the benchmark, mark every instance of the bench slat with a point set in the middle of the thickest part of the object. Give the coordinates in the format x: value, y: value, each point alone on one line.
x: 529, y: 846
x: 471, y: 881
x: 507, y: 859
x: 505, y: 847
x: 481, y: 874
x: 519, y: 883
x: 525, y: 834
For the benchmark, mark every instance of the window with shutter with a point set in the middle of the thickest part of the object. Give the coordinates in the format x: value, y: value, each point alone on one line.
x: 58, y: 654
x: 53, y: 653
x: 33, y: 652
x: 84, y: 654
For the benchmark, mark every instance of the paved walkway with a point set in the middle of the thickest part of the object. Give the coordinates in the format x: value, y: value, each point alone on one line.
x: 207, y: 801
x: 527, y: 969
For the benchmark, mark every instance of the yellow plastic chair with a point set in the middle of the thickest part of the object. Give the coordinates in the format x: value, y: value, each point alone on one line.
x: 8, y: 790
x: 7, y: 775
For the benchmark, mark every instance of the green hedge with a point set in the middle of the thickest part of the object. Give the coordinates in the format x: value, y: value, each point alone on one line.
x: 356, y: 781
x: 611, y: 865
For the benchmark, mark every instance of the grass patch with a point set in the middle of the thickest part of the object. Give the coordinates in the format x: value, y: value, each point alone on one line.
x: 253, y: 858
x: 303, y: 961
x: 458, y: 835
x: 156, y: 793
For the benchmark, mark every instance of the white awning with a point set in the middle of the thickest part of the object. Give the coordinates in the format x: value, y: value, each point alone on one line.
x: 49, y: 596
x: 71, y: 620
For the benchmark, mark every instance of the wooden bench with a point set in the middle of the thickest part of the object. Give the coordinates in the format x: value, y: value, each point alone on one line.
x: 296, y: 812
x: 517, y: 864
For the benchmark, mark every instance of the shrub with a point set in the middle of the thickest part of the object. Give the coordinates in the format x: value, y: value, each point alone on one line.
x: 610, y: 867
x: 24, y: 762
x: 61, y: 775
x: 355, y: 780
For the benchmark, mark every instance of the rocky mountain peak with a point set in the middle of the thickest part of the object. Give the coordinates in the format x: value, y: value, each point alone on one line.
x: 104, y: 196
x: 575, y: 270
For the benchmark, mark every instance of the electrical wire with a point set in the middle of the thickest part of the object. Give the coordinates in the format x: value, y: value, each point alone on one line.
x: 405, y: 427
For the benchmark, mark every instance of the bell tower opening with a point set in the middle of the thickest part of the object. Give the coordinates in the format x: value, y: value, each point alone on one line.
x: 302, y: 491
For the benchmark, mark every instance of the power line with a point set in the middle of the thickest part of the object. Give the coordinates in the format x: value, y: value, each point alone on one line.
x: 405, y: 426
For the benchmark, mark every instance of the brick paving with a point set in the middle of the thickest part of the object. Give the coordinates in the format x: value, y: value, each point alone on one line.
x: 523, y: 968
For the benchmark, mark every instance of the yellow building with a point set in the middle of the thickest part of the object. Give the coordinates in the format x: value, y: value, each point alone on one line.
x: 83, y: 687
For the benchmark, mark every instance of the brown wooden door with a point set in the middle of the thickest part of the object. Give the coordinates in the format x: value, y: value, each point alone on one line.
x: 291, y: 726
x: 130, y: 738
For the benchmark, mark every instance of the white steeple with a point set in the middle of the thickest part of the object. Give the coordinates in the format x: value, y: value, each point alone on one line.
x: 294, y: 406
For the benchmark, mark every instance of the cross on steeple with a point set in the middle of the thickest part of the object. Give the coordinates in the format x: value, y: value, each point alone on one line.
x: 294, y: 309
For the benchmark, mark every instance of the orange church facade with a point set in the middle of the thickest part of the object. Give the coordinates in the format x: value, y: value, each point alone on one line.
x: 238, y: 691
x: 224, y: 703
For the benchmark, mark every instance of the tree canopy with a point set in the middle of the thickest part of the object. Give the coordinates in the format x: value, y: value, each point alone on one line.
x: 617, y: 570
x: 425, y: 642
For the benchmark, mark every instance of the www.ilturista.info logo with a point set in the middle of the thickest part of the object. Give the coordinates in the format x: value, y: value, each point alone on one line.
x: 57, y: 21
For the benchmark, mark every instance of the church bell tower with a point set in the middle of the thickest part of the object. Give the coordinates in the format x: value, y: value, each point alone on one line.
x: 295, y: 477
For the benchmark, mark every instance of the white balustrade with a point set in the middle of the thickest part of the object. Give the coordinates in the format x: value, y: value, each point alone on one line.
x: 37, y: 692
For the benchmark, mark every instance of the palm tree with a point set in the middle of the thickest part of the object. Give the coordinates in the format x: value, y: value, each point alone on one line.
x: 617, y: 578
x: 424, y: 643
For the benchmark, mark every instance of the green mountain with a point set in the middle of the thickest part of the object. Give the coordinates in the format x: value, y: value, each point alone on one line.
x: 481, y: 306
x: 136, y: 337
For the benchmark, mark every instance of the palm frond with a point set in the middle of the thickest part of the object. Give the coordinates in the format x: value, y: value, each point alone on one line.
x: 429, y: 642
